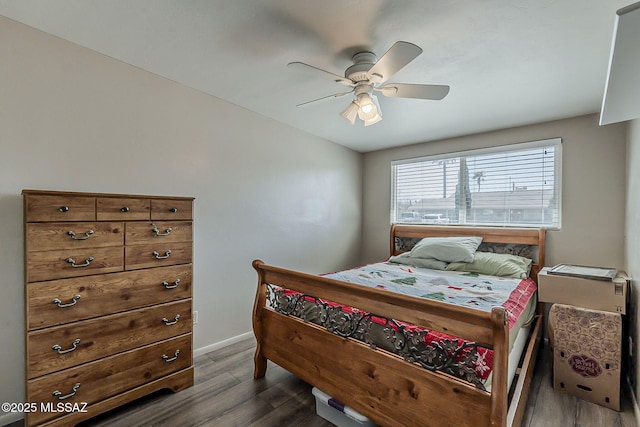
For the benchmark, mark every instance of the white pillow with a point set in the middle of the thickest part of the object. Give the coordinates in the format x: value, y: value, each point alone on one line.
x: 503, y: 265
x: 447, y: 249
x: 432, y: 263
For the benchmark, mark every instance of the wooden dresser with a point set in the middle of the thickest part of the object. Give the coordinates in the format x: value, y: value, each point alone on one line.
x: 108, y: 288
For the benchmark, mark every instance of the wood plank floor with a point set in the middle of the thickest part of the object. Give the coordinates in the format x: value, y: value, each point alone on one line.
x: 225, y: 394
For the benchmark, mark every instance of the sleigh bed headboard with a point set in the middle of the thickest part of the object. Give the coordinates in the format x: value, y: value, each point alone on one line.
x: 525, y: 242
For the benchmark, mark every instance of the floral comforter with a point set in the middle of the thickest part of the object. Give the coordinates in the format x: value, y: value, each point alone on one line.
x: 459, y: 288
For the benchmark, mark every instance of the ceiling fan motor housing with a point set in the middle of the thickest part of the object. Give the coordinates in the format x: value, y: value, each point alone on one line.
x: 362, y: 62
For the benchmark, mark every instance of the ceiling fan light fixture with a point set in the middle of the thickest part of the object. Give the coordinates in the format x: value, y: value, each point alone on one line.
x: 370, y: 112
x: 351, y: 112
x: 366, y: 104
x: 373, y: 121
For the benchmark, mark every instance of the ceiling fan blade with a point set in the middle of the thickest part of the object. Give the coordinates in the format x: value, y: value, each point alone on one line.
x: 319, y: 72
x: 335, y: 95
x: 399, y: 55
x: 405, y: 90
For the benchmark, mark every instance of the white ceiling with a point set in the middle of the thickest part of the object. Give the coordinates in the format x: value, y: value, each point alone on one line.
x: 508, y: 62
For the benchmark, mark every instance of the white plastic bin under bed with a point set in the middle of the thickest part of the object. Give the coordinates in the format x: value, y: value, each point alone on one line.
x: 336, y: 413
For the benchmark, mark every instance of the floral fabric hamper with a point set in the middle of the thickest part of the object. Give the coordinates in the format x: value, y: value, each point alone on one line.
x: 587, y: 350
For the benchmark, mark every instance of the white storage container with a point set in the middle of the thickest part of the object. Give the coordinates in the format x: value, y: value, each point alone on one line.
x: 338, y: 414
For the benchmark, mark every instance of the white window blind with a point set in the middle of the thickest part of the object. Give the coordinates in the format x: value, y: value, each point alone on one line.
x: 516, y: 185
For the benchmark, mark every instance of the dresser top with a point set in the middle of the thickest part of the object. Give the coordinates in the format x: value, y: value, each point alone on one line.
x: 82, y: 194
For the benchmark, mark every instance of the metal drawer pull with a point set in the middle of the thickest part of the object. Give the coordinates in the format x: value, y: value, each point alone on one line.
x: 59, y: 395
x: 59, y: 303
x: 63, y: 208
x: 156, y: 255
x: 125, y: 209
x: 157, y: 232
x: 168, y: 286
x: 169, y: 323
x: 86, y: 262
x: 59, y: 349
x: 168, y: 359
x: 87, y: 234
x: 174, y: 210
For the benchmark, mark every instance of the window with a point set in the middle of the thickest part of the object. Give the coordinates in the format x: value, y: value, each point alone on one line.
x: 511, y: 186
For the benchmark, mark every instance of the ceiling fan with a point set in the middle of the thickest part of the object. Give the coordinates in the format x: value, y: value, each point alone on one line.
x: 368, y: 74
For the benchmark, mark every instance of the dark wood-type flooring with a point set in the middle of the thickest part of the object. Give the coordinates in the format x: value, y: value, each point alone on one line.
x: 225, y: 394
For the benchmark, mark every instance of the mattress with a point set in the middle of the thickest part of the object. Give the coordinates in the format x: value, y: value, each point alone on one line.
x: 431, y: 349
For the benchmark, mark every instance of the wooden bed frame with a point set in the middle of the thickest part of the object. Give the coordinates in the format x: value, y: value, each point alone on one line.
x: 383, y: 386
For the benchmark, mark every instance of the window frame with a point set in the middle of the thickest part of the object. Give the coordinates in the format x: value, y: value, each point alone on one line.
x: 522, y: 146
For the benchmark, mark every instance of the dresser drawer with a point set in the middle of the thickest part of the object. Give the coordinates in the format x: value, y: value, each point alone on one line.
x: 40, y: 208
x: 58, y: 264
x: 166, y: 209
x: 53, y: 349
x: 157, y: 255
x: 126, y: 208
x: 108, y: 377
x: 69, y: 300
x: 65, y: 235
x: 161, y: 232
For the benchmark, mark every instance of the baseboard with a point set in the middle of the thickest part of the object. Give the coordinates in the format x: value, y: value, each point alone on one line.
x: 218, y: 345
x: 11, y: 417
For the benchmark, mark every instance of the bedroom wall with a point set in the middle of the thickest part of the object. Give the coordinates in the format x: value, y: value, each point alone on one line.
x: 593, y: 183
x: 632, y: 246
x: 75, y: 120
